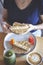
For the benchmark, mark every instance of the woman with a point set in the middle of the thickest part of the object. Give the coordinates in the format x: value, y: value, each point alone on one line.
x: 23, y: 11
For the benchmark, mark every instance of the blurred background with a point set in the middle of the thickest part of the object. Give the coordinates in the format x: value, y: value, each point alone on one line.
x: 1, y: 9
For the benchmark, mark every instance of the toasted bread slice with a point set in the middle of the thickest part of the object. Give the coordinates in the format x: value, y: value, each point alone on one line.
x: 19, y: 28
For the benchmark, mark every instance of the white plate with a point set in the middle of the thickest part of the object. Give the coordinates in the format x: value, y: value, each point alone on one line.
x: 9, y: 36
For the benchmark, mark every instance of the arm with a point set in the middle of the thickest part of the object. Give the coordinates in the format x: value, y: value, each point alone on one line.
x: 39, y: 26
x: 4, y: 23
x: 36, y: 27
x: 5, y: 8
x: 5, y: 14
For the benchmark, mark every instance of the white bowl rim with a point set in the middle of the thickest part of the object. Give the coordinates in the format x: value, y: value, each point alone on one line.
x: 18, y: 35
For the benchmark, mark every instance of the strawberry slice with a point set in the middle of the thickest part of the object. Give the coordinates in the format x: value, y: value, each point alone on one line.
x: 31, y: 40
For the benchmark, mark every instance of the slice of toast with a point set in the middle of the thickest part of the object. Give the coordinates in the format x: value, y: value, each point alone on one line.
x: 23, y: 45
x: 19, y: 28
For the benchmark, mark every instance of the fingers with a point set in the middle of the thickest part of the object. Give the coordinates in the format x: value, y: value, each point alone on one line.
x: 5, y: 29
x: 7, y: 25
x: 30, y: 25
x: 30, y: 29
x: 8, y: 31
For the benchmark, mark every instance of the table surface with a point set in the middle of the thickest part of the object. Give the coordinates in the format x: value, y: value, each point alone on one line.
x: 21, y: 60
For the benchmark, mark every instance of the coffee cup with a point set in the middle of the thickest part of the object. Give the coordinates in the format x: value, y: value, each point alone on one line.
x: 34, y: 58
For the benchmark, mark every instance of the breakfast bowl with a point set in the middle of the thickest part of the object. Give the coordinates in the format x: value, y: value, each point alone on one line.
x: 21, y: 44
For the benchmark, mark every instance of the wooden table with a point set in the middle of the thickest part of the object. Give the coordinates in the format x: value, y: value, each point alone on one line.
x: 21, y: 60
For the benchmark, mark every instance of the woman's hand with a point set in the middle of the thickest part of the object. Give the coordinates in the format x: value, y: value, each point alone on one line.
x: 31, y: 27
x: 5, y: 27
